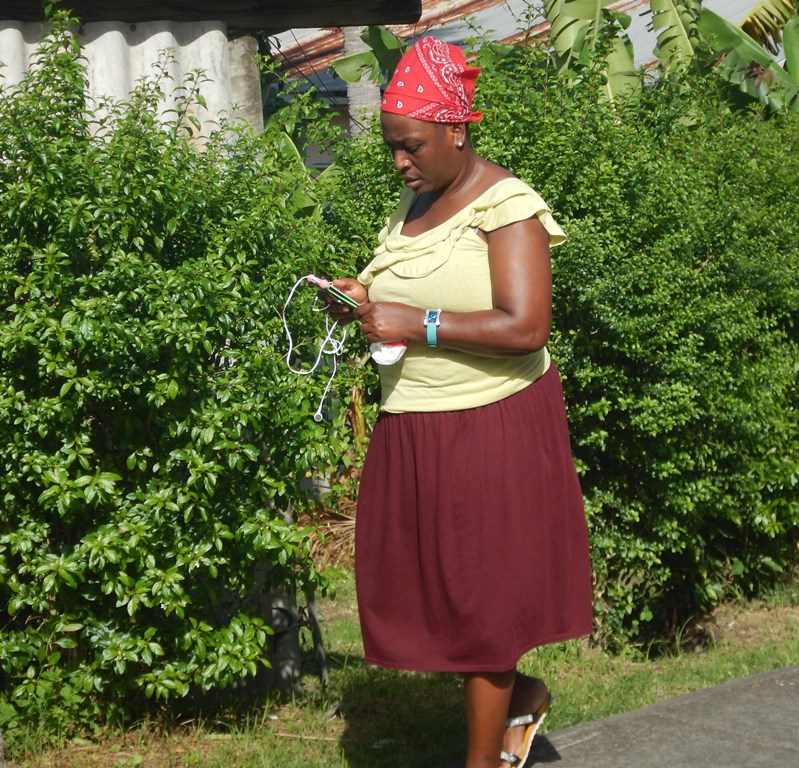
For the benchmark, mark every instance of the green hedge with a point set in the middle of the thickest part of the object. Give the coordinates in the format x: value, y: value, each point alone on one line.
x: 677, y: 297
x: 676, y: 302
x: 151, y: 436
x: 153, y: 439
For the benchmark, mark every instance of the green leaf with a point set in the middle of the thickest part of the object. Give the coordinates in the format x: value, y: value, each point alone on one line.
x: 724, y: 36
x: 747, y: 65
x: 579, y: 27
x: 676, y: 25
x: 790, y: 40
x: 386, y: 46
x: 622, y: 80
x: 353, y: 67
x: 385, y: 51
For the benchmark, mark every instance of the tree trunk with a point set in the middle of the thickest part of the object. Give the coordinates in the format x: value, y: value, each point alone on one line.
x: 363, y: 97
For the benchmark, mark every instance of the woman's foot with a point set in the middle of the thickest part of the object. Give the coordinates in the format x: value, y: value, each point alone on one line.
x: 530, y: 697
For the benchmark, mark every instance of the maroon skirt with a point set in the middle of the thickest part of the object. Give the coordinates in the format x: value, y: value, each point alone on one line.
x: 471, y: 545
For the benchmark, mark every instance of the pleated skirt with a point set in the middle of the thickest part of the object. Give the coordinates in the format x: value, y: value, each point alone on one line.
x: 471, y: 544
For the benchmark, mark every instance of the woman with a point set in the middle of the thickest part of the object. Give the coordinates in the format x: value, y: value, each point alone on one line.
x: 471, y: 543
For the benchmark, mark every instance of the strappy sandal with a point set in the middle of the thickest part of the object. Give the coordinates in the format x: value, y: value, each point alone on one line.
x: 533, y: 723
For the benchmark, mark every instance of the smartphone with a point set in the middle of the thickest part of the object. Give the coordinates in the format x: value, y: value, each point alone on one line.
x: 334, y: 293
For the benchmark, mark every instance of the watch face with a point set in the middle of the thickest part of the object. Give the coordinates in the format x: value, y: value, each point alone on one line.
x: 432, y: 316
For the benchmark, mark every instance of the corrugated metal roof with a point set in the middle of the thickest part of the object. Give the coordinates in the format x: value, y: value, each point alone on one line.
x: 308, y: 52
x: 237, y: 15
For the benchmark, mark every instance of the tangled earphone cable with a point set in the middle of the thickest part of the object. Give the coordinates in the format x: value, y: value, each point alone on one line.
x: 328, y: 346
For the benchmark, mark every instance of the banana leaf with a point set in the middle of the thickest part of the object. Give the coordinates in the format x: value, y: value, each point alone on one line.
x: 675, y: 22
x: 351, y: 68
x: 748, y: 65
x: 385, y: 51
x: 577, y: 27
x: 622, y: 79
x: 574, y: 30
x: 790, y: 44
x: 766, y: 20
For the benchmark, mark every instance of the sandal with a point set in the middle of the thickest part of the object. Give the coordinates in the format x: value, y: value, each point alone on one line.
x: 533, y: 723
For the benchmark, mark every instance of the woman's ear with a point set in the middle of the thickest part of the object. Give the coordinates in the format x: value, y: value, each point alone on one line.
x: 458, y: 133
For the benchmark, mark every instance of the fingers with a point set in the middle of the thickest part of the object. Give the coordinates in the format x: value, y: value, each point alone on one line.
x: 339, y: 312
x: 339, y: 294
x: 352, y: 288
x: 381, y: 321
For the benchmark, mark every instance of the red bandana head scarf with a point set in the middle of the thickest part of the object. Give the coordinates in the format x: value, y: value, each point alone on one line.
x: 433, y: 83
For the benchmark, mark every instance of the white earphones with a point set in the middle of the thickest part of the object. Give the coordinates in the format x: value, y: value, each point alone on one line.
x: 328, y: 346
x: 383, y: 352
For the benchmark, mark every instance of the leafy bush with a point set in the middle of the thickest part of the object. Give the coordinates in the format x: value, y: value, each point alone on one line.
x: 151, y: 438
x: 676, y: 302
x: 676, y: 311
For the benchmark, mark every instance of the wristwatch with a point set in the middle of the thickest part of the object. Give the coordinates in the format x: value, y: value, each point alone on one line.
x: 432, y: 319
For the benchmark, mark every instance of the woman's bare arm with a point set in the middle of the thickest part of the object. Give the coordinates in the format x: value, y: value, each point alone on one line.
x: 519, y: 321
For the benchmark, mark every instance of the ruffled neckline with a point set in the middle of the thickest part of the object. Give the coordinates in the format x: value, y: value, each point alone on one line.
x: 406, y: 204
x: 414, y: 256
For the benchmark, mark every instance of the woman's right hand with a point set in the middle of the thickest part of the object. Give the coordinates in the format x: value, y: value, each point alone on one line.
x: 340, y: 312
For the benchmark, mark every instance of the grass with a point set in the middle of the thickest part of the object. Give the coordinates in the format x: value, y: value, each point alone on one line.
x: 372, y: 717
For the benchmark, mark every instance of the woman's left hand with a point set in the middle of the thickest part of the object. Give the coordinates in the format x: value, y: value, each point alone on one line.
x: 390, y: 321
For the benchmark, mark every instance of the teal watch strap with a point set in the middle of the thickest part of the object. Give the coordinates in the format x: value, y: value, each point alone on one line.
x: 432, y: 319
x: 432, y: 334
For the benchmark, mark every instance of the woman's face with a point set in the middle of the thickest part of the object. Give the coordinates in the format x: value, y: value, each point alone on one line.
x: 425, y: 154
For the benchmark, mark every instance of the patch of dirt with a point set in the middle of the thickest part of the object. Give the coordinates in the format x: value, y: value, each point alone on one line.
x: 133, y: 753
x: 752, y: 626
x: 334, y: 609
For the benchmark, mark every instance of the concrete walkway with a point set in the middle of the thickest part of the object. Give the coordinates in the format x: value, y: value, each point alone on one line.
x: 752, y: 722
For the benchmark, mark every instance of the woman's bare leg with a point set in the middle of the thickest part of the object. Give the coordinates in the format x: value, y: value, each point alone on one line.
x: 528, y: 695
x: 488, y: 697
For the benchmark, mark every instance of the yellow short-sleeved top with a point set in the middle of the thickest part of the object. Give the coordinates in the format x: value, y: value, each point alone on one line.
x: 447, y: 267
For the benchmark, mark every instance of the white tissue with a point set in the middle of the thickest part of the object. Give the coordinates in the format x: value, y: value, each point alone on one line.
x: 387, y: 352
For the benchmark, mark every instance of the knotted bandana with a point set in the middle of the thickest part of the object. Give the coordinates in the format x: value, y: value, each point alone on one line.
x: 432, y: 82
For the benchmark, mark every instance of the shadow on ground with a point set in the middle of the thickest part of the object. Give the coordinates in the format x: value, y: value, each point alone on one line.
x: 395, y: 719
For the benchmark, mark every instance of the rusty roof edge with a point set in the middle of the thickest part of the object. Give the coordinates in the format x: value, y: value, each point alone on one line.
x: 268, y: 16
